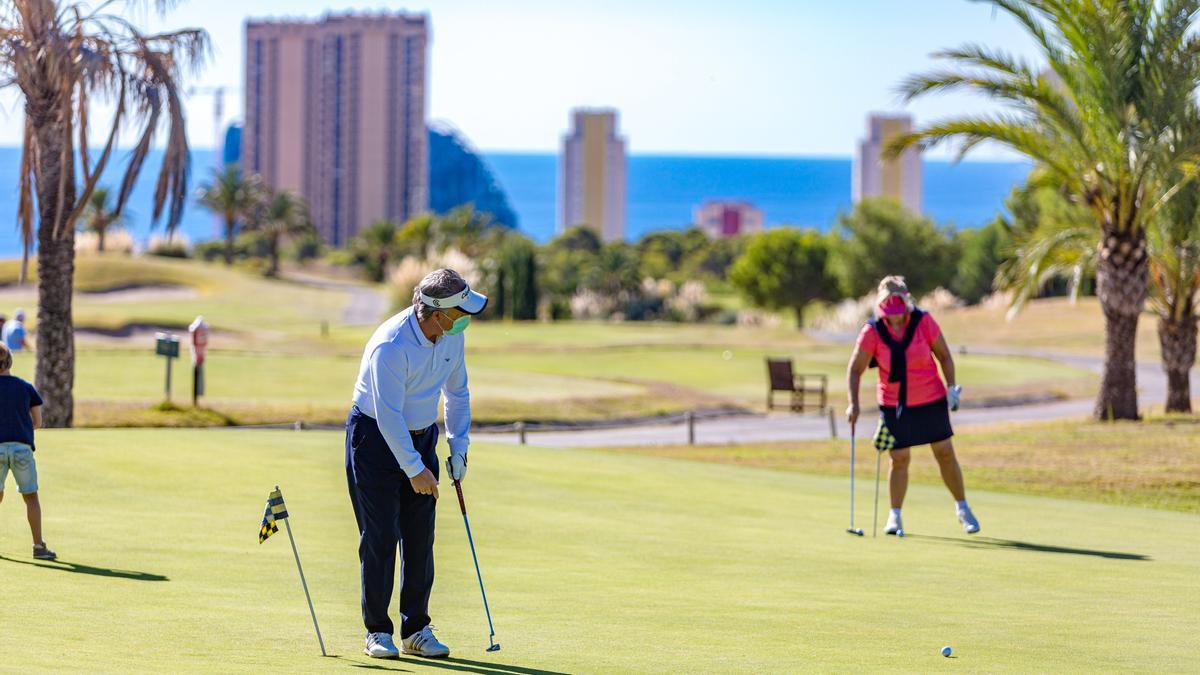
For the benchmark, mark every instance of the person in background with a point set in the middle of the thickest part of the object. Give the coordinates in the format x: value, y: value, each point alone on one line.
x: 20, y: 414
x: 907, y: 345
x: 3, y: 319
x: 13, y: 334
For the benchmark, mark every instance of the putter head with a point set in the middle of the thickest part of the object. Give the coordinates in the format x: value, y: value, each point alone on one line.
x: 857, y: 530
x: 494, y: 648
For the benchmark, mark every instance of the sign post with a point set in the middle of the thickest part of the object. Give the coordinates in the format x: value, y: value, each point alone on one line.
x: 199, y: 331
x: 167, y: 345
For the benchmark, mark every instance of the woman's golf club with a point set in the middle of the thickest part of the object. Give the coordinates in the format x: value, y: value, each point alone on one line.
x: 462, y: 505
x: 852, y: 530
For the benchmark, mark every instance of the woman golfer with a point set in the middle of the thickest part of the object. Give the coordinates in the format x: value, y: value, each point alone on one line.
x: 915, y: 405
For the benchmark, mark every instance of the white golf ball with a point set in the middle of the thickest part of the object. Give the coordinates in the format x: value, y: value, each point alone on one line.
x: 946, y: 650
x: 727, y: 355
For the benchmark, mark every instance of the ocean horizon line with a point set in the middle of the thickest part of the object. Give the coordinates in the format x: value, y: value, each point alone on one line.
x: 657, y: 154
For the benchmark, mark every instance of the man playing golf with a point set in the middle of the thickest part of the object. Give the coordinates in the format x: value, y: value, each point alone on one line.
x: 914, y: 403
x: 391, y: 458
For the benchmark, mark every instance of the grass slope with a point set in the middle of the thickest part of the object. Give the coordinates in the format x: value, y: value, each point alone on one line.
x: 1051, y: 324
x: 701, y: 567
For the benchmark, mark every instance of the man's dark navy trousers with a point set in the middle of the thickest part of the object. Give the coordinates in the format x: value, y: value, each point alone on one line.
x: 390, y: 514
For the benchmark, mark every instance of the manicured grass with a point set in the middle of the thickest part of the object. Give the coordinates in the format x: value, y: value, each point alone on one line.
x: 737, y: 371
x: 709, y: 568
x: 1153, y: 464
x: 117, y: 387
x: 512, y: 383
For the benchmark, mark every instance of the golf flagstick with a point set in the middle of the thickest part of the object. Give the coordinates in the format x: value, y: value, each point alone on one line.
x: 288, y: 522
x: 493, y: 646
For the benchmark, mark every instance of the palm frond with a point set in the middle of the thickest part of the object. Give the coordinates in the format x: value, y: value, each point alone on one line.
x: 1110, y: 114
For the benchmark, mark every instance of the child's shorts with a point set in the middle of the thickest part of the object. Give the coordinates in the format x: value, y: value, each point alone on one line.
x: 19, y: 458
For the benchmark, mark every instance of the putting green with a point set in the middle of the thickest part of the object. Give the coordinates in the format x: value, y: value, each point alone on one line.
x: 594, y: 562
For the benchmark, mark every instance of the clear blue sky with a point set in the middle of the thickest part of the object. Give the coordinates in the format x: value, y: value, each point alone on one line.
x: 697, y: 77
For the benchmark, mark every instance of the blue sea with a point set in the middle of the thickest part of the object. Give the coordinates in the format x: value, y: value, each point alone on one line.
x: 662, y: 191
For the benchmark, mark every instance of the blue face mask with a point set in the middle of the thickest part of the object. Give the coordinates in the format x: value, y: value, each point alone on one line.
x: 460, y: 324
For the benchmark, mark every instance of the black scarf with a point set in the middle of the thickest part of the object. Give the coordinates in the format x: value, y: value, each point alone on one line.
x: 899, y: 369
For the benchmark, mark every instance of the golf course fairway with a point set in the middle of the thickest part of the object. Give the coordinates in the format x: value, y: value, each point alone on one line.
x: 593, y: 562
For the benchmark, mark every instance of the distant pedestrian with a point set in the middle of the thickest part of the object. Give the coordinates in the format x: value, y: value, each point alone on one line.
x: 20, y: 414
x: 412, y: 360
x: 13, y: 334
x: 907, y: 345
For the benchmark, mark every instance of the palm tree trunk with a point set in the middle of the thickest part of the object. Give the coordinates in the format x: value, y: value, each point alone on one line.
x: 229, y: 241
x: 1177, y: 337
x: 100, y: 239
x: 55, y: 373
x: 1121, y: 284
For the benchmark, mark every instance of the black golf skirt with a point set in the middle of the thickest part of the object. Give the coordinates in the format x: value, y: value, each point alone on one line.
x: 919, y: 424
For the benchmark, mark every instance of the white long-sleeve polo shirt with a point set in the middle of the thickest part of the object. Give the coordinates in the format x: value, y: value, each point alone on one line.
x: 399, y: 380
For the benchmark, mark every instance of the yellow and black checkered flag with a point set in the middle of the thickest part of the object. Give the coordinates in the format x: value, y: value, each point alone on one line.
x: 884, y: 440
x: 275, y: 511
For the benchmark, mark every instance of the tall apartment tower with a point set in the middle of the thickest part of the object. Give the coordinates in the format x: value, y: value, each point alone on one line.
x: 335, y: 111
x: 591, y: 178
x: 898, y: 178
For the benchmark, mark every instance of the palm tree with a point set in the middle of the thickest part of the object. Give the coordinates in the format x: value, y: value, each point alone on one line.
x: 232, y: 195
x: 1054, y: 239
x: 282, y: 214
x: 100, y: 215
x: 1051, y: 238
x: 61, y: 55
x: 1103, y: 120
x: 1175, y: 291
x: 376, y: 247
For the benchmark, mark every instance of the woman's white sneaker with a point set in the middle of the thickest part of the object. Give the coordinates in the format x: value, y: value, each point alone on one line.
x: 380, y: 646
x: 423, y: 643
x: 894, y: 524
x: 969, y: 523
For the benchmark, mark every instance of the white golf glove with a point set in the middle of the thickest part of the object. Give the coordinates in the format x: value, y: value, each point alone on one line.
x: 458, y: 466
x: 954, y: 396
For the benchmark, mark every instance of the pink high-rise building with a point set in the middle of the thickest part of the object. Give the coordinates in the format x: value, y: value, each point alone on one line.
x: 335, y: 111
x: 728, y: 218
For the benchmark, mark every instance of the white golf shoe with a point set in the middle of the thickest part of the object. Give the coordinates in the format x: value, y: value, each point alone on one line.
x: 894, y: 524
x: 970, y: 524
x: 423, y: 643
x: 380, y: 646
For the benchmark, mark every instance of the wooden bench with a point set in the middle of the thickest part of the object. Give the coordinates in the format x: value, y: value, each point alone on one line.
x: 809, y: 392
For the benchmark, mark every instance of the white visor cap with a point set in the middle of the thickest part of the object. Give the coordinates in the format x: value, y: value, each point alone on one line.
x: 467, y: 300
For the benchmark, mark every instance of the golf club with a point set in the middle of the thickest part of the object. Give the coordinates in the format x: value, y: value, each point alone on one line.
x: 852, y: 530
x: 462, y: 505
x: 875, y: 521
